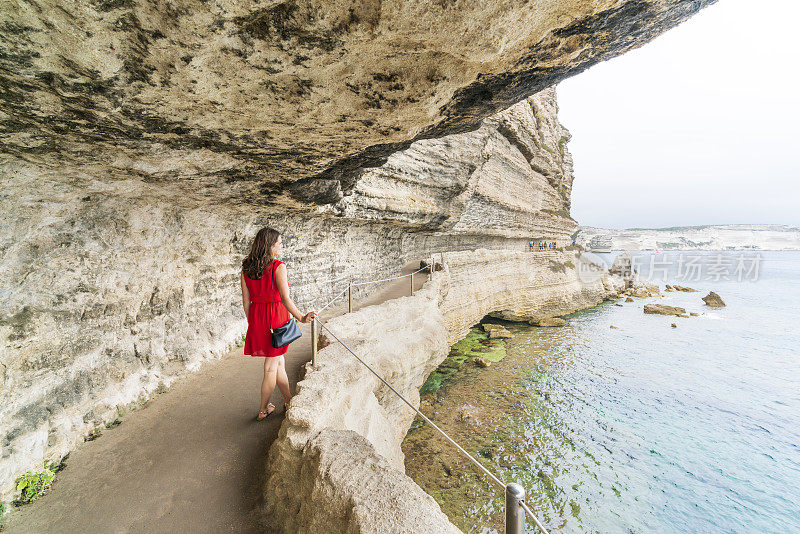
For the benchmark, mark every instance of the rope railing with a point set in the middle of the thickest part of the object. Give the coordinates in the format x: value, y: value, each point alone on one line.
x: 333, y: 300
x: 514, y: 493
x: 387, y: 279
x: 354, y: 284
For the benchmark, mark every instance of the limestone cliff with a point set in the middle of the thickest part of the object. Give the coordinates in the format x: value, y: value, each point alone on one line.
x: 512, y: 177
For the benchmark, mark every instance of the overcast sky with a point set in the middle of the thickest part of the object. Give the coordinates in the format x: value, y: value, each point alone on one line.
x: 699, y: 126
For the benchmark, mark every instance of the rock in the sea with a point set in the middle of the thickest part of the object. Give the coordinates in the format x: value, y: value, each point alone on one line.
x: 620, y: 305
x: 629, y: 299
x: 548, y: 321
x: 674, y: 325
x: 653, y: 290
x: 500, y: 332
x: 662, y: 309
x: 614, y: 327
x: 694, y: 314
x: 713, y: 300
x: 684, y: 288
x: 482, y: 362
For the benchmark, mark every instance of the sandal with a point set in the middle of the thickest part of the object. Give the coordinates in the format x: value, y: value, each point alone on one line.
x: 266, y: 414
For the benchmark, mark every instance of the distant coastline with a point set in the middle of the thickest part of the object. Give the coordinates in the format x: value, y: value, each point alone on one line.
x: 704, y: 237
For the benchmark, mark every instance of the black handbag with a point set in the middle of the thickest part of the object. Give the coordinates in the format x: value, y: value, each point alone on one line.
x: 287, y: 333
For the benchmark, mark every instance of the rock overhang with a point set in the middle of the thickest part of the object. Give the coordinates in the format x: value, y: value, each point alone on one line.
x: 284, y: 103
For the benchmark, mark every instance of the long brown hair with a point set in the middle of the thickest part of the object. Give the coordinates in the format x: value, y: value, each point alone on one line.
x: 260, y: 256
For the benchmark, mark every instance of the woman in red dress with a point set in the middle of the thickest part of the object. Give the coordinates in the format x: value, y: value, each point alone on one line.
x: 265, y: 283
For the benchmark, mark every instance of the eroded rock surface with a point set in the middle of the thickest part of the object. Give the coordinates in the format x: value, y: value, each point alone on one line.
x: 284, y: 101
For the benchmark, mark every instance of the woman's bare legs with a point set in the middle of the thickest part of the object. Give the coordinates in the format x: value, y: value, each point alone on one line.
x: 268, y: 384
x: 283, y: 380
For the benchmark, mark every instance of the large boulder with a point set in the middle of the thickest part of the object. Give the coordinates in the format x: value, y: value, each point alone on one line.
x: 500, y: 333
x: 684, y: 288
x: 713, y: 300
x: 509, y: 315
x: 662, y: 309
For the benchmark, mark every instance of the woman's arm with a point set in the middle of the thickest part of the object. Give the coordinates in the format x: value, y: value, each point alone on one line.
x: 245, y: 297
x: 282, y: 280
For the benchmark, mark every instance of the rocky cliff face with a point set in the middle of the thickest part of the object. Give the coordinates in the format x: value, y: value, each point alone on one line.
x: 144, y: 142
x: 114, y: 289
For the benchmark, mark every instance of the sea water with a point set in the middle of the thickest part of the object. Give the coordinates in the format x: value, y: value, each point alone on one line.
x: 639, y: 428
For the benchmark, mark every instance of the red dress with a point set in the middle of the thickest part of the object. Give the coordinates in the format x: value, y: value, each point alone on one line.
x: 258, y: 341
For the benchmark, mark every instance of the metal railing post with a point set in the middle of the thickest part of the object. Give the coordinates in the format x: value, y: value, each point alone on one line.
x: 412, y: 284
x: 349, y: 297
x: 314, y: 333
x: 515, y: 515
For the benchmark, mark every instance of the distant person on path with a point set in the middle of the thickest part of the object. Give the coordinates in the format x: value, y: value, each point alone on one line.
x: 265, y: 283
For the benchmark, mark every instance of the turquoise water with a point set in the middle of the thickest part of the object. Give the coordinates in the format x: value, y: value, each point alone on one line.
x: 649, y: 428
x: 700, y: 423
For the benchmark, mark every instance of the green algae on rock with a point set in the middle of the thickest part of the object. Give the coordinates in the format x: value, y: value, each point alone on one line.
x: 477, y: 344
